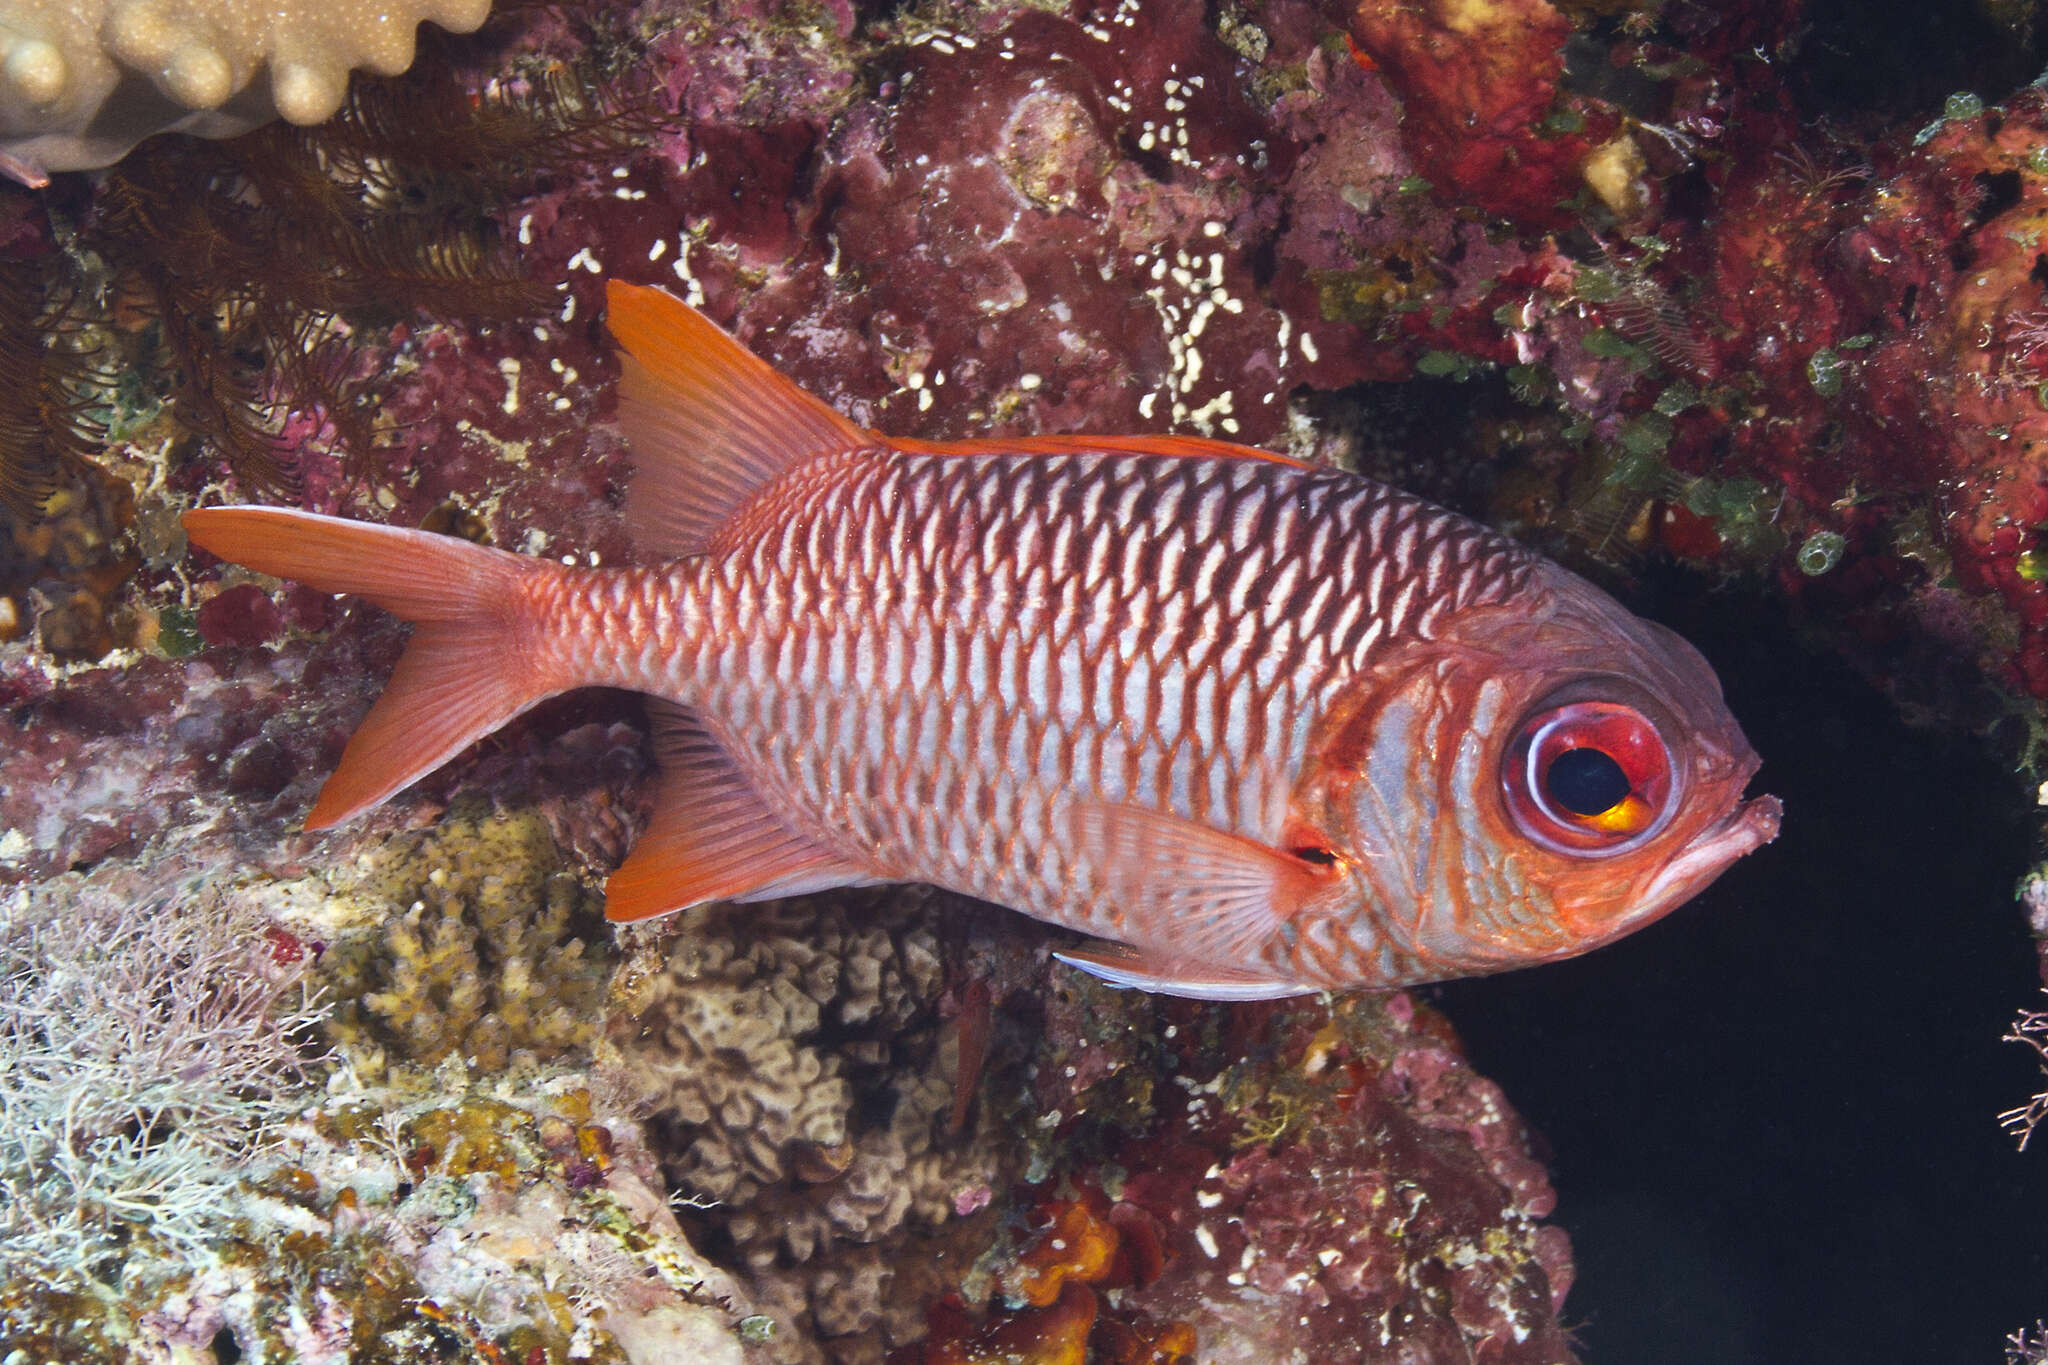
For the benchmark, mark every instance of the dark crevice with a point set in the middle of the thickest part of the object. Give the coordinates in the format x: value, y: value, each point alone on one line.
x: 1773, y: 1117
x: 1901, y: 56
x: 2000, y: 191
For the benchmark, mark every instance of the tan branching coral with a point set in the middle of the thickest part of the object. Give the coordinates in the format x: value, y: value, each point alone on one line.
x: 82, y: 81
x: 481, y: 952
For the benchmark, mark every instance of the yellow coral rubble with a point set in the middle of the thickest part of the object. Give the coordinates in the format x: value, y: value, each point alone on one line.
x: 481, y: 944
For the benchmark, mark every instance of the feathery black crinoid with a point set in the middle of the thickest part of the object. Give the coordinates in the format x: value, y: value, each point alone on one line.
x: 45, y: 372
x: 260, y: 258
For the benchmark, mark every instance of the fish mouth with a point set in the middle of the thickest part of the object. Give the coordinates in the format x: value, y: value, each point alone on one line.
x: 1743, y: 830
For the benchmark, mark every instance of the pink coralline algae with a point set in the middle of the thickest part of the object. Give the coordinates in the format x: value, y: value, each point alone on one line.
x: 1911, y: 366
x: 243, y: 615
x: 1275, y: 1180
x: 1484, y: 115
x: 1784, y: 348
x: 1398, y: 1200
x: 1039, y: 223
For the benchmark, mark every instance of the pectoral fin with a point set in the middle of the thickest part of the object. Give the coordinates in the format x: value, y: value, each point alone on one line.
x: 1215, y: 896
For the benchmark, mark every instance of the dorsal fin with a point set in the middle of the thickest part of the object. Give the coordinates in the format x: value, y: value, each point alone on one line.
x: 710, y: 422
x: 1185, y: 447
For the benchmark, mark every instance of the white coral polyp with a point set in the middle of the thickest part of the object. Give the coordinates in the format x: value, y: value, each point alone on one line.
x: 82, y: 81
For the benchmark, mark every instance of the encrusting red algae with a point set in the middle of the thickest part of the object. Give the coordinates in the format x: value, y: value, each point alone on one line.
x: 1263, y: 727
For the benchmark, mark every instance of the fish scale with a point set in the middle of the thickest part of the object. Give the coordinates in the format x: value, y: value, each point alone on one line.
x: 1263, y: 727
x: 981, y: 706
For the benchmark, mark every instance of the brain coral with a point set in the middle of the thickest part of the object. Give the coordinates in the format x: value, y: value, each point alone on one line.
x: 82, y: 81
x: 798, y: 1094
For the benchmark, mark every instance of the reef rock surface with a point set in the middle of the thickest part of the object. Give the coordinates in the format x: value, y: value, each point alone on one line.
x: 1662, y: 314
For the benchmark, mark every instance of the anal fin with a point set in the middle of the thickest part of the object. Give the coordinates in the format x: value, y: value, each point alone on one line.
x: 711, y: 836
x: 1121, y: 965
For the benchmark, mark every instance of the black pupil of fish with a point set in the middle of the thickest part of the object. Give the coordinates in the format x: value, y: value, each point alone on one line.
x: 1586, y: 781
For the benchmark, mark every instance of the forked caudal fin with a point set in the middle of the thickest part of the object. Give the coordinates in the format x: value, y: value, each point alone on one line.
x: 472, y: 663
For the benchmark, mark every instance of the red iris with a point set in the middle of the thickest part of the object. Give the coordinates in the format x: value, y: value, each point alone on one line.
x: 1588, y: 777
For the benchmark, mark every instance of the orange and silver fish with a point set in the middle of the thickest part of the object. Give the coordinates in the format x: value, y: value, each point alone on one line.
x: 1258, y: 726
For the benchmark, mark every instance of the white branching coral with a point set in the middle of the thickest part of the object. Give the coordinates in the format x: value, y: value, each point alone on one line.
x: 82, y: 81
x: 2031, y: 1028
x: 147, y: 1047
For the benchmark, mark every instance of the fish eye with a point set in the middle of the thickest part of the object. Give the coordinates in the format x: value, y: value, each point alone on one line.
x: 1586, y: 782
x: 1589, y: 778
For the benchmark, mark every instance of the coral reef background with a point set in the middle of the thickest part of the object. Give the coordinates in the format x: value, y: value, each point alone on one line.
x: 1741, y: 308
